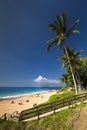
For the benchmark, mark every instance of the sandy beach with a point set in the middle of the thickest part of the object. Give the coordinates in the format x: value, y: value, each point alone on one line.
x: 25, y: 102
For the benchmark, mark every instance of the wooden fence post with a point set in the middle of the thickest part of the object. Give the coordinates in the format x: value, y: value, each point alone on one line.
x: 19, y: 119
x: 63, y: 102
x: 86, y: 95
x: 38, y: 112
x: 53, y: 107
x: 5, y: 118
x: 68, y: 103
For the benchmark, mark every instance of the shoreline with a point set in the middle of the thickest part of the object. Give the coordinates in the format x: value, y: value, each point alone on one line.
x: 23, y: 95
x: 10, y: 105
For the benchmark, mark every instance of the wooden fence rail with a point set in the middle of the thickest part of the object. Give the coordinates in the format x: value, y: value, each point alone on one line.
x: 52, y: 106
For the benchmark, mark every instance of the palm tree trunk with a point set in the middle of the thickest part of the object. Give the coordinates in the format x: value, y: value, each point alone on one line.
x: 79, y: 82
x: 71, y: 69
x: 77, y: 79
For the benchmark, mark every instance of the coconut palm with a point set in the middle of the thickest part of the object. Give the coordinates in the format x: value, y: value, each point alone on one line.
x: 66, y: 79
x: 75, y: 62
x: 59, y: 27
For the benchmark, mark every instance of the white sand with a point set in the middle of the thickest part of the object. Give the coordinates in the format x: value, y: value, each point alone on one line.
x: 6, y: 105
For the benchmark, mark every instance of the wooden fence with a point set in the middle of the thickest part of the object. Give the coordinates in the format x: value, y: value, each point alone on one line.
x: 52, y: 106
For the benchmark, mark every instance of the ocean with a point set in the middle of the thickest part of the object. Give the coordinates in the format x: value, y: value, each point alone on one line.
x: 10, y: 92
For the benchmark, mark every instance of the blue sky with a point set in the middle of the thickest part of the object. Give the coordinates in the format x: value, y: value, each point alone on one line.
x: 24, y: 60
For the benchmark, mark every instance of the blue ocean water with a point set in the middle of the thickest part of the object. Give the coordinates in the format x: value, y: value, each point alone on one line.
x: 7, y: 92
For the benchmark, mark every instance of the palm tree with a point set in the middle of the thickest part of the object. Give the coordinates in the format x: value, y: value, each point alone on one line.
x: 66, y: 79
x: 59, y: 27
x: 75, y: 62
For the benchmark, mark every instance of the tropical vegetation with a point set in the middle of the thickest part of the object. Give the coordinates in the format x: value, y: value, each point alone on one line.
x: 80, y: 73
x: 83, y: 72
x: 76, y: 63
x: 70, y: 59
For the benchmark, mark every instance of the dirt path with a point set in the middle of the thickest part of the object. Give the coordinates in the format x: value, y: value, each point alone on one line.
x: 81, y: 122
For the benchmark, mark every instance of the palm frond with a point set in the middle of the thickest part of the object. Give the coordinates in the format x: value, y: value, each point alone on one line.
x: 50, y: 46
x: 59, y: 22
x: 61, y: 58
x: 74, y: 24
x: 78, y: 54
x: 59, y: 42
x: 64, y: 21
x: 52, y: 27
x: 71, y: 30
x: 52, y: 42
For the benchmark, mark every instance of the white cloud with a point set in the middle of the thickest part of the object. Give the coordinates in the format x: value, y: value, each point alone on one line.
x: 42, y: 81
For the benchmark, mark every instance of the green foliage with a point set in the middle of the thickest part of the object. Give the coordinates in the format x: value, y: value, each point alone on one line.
x: 64, y: 89
x: 60, y: 28
x: 75, y: 63
x: 83, y: 72
x: 80, y: 68
x: 61, y: 96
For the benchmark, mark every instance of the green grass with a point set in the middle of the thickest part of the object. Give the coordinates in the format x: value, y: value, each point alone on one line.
x: 81, y: 105
x: 10, y: 125
x: 61, y: 96
x: 63, y: 89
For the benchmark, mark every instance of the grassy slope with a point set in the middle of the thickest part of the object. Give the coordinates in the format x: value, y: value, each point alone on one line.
x: 63, y: 93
